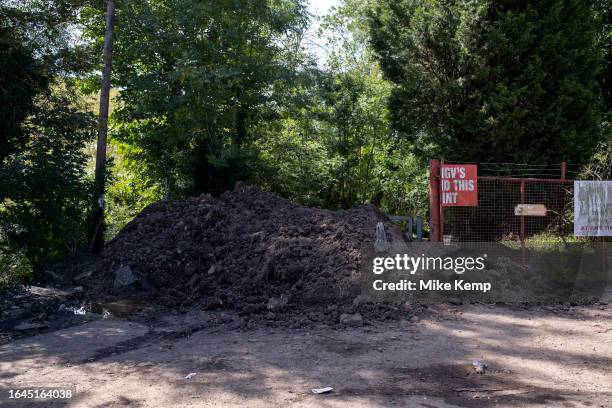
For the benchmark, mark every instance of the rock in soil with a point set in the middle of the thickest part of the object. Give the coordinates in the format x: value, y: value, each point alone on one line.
x: 124, y: 277
x: 352, y: 320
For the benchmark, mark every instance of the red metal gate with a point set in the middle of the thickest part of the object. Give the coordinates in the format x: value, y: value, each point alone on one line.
x: 494, y: 219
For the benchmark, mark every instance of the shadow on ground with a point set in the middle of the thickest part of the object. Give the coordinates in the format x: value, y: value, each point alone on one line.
x: 534, y: 358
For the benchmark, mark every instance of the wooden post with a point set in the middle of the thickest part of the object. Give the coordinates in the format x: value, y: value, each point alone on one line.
x: 434, y: 200
x: 97, y: 222
x: 605, y: 263
x: 563, y: 170
x: 409, y: 228
x: 441, y: 217
x: 522, y: 227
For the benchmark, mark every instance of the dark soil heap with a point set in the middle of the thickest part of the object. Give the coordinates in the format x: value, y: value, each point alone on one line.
x: 244, y: 247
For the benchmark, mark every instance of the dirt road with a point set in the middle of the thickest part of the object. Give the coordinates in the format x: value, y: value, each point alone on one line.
x: 535, y: 358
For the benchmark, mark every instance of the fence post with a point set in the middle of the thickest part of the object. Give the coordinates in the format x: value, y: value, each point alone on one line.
x: 409, y: 228
x: 563, y: 170
x: 419, y: 228
x: 522, y: 227
x: 434, y: 200
x: 441, y: 219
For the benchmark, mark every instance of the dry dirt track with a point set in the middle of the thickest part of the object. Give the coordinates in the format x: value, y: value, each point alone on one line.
x: 536, y: 358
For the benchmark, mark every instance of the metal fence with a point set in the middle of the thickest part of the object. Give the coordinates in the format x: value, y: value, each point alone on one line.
x: 494, y: 218
x: 501, y: 187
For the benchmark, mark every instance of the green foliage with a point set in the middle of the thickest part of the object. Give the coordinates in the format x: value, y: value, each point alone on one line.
x: 492, y: 81
x: 194, y: 83
x: 46, y: 191
x: 209, y: 93
x: 22, y: 77
x: 294, y: 163
x: 127, y: 194
x: 600, y: 166
x: 43, y: 185
x: 335, y: 148
x: 375, y: 165
x: 404, y: 182
x: 602, y: 10
x: 48, y: 28
x: 14, y: 268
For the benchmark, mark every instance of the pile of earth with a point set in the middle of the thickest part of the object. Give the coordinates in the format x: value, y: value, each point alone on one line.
x: 246, y: 249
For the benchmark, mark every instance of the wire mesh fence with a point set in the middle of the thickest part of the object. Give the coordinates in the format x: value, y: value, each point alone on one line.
x: 494, y: 218
x: 501, y: 187
x: 524, y: 215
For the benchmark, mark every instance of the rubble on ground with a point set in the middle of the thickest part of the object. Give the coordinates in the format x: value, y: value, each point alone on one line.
x: 30, y: 309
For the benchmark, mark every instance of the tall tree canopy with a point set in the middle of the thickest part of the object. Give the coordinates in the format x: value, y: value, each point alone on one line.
x: 336, y: 148
x: 22, y: 77
x: 43, y: 133
x: 492, y: 80
x: 603, y: 18
x: 193, y: 76
x: 36, y: 47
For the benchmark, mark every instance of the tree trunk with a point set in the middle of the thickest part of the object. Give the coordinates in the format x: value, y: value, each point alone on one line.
x: 97, y: 221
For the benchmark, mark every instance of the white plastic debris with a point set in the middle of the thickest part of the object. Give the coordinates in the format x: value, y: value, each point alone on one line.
x: 479, y: 366
x: 322, y: 390
x: 80, y: 311
x: 190, y: 376
x: 106, y: 314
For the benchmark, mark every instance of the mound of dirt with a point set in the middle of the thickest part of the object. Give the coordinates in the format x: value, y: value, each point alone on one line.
x: 246, y: 249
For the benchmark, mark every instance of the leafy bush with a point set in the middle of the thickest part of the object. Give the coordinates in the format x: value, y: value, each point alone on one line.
x: 600, y: 166
x: 45, y: 191
x: 294, y: 165
x: 14, y: 269
x: 128, y: 192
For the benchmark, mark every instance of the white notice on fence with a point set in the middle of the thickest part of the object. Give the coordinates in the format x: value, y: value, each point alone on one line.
x: 592, y: 208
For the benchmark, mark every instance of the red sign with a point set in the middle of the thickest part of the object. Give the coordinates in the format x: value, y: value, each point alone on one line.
x: 459, y: 185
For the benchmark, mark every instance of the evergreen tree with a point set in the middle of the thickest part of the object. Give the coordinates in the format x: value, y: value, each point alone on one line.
x: 492, y: 81
x: 603, y: 17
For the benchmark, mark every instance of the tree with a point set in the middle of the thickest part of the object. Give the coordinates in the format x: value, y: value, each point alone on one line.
x: 22, y: 77
x: 43, y: 134
x: 336, y: 148
x: 47, y: 192
x: 193, y: 84
x: 35, y: 49
x: 97, y: 221
x: 492, y: 81
x: 602, y: 9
